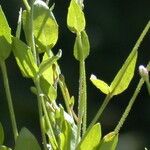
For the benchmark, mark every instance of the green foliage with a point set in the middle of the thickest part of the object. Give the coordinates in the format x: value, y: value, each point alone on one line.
x: 1, y: 134
x: 26, y: 141
x: 45, y: 28
x: 92, y: 139
x: 109, y: 142
x: 4, y: 148
x: 122, y: 79
x: 125, y: 75
x: 61, y: 128
x: 101, y: 85
x: 81, y: 46
x: 75, y: 17
x: 5, y: 37
x: 24, y: 58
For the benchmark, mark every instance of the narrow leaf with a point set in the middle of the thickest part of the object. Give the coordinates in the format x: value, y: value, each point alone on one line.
x: 101, y: 85
x: 24, y: 58
x: 26, y: 141
x: 1, y: 134
x: 44, y: 25
x: 125, y: 75
x: 5, y: 37
x: 92, y: 139
x: 81, y: 46
x: 75, y: 17
x: 109, y: 142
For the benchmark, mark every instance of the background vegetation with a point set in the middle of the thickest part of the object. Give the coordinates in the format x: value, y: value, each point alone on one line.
x: 113, y: 27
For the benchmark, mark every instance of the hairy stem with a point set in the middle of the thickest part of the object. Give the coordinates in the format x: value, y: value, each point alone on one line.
x: 128, y: 108
x: 82, y: 104
x: 131, y: 102
x: 9, y: 99
x: 53, y: 142
x: 40, y: 111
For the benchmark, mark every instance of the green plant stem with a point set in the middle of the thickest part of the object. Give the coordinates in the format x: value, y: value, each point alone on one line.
x: 99, y: 113
x: 9, y: 99
x: 31, y: 36
x: 40, y: 111
x: 128, y: 108
x: 131, y: 102
x: 84, y: 98
x: 66, y: 96
x: 26, y: 5
x: 54, y: 142
x: 18, y: 31
x: 82, y: 104
x: 134, y: 51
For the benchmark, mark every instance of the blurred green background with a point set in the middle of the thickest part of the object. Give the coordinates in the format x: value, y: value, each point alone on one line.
x: 113, y: 27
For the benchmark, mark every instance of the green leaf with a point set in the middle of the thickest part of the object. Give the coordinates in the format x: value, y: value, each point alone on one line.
x: 75, y: 17
x: 49, y: 62
x: 24, y: 58
x: 92, y: 139
x: 125, y: 75
x: 26, y: 141
x: 1, y: 134
x: 109, y: 142
x: 26, y: 25
x: 101, y: 85
x: 2, y: 147
x: 44, y: 25
x: 81, y: 46
x: 48, y: 89
x: 47, y: 80
x: 5, y: 37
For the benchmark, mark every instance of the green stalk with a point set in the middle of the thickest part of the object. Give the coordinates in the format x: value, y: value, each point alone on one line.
x: 9, y: 99
x: 128, y: 108
x: 98, y: 115
x: 131, y: 102
x: 84, y: 95
x: 40, y: 111
x: 31, y: 36
x: 82, y: 104
x: 53, y: 142
x: 26, y: 5
x: 36, y: 80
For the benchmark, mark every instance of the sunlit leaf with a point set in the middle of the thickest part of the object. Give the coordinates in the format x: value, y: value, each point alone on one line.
x: 5, y: 37
x: 49, y: 62
x: 2, y: 147
x: 24, y: 58
x: 125, y: 75
x: 109, y: 142
x: 101, y: 85
x: 48, y: 89
x: 44, y: 25
x: 92, y: 139
x: 1, y: 134
x: 81, y: 46
x: 75, y: 17
x: 26, y: 25
x: 26, y: 141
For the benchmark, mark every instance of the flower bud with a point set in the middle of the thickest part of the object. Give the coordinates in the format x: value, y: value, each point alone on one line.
x: 143, y: 72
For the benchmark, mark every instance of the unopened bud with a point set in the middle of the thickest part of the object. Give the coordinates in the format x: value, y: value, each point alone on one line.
x: 143, y: 72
